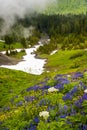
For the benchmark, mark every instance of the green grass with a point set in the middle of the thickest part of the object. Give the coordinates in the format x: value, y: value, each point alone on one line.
x: 66, y: 61
x: 17, y: 45
x: 13, y: 86
x: 13, y: 82
x: 3, y: 46
x: 18, y: 55
x: 67, y: 7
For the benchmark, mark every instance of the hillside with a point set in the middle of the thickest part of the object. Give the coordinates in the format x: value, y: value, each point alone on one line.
x: 68, y: 7
x: 53, y: 48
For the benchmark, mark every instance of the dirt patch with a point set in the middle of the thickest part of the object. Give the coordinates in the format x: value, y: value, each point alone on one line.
x: 5, y: 60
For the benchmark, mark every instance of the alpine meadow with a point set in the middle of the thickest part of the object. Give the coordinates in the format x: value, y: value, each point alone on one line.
x: 43, y: 65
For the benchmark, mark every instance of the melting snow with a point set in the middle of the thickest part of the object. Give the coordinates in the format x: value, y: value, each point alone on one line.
x: 30, y: 63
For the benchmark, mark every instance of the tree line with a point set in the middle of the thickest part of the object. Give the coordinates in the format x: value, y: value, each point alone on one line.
x: 66, y: 31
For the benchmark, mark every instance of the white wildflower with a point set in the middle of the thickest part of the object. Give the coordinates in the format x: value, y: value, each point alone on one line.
x: 68, y: 76
x: 44, y: 114
x: 52, y: 89
x: 85, y: 91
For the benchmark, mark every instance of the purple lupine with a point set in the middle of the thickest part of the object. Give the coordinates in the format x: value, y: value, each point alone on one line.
x: 65, y: 108
x: 68, y: 96
x: 50, y: 108
x: 19, y: 103
x: 78, y: 104
x: 29, y: 98
x: 45, y: 87
x: 77, y: 75
x: 33, y: 128
x: 6, y: 128
x: 59, y: 86
x: 74, y: 90
x: 63, y: 116
x: 82, y: 85
x: 82, y: 127
x: 63, y: 81
x: 35, y: 88
x: 7, y: 108
x: 58, y: 76
x: 84, y: 97
x: 36, y: 120
x: 1, y: 122
x: 44, y: 102
x: 72, y: 110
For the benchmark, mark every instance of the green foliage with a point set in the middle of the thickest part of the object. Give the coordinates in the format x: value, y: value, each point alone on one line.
x: 23, y: 42
x: 47, y: 48
x: 67, y: 7
x: 17, y: 55
x: 33, y: 40
x: 8, y: 40
x: 10, y: 84
x: 62, y: 61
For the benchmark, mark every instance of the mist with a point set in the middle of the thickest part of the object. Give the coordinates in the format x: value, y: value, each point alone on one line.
x: 10, y: 9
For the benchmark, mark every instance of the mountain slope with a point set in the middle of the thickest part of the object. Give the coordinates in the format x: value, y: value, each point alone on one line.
x: 67, y: 7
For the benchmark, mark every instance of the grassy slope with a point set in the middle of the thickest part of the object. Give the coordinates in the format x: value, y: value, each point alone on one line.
x: 68, y: 6
x: 13, y: 82
x: 13, y: 86
x: 17, y: 45
x: 3, y: 46
x: 62, y: 63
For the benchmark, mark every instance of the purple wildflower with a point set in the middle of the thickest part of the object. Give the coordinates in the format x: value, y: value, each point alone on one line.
x: 82, y: 85
x: 78, y: 104
x: 1, y: 122
x: 59, y: 86
x: 68, y: 96
x: 45, y: 87
x: 50, y: 108
x: 44, y: 102
x: 33, y: 128
x: 19, y: 103
x: 36, y: 120
x: 6, y: 128
x: 63, y: 81
x: 74, y: 90
x: 58, y: 76
x: 6, y: 108
x: 82, y: 127
x: 35, y: 88
x: 84, y: 97
x: 65, y: 108
x: 77, y: 75
x: 63, y: 116
x: 29, y: 98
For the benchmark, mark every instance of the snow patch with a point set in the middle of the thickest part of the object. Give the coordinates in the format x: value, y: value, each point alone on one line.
x: 30, y: 63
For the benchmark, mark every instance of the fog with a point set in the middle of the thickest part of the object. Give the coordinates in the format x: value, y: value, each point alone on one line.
x: 10, y: 9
